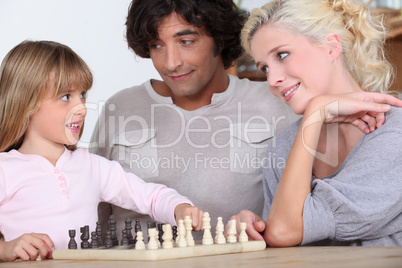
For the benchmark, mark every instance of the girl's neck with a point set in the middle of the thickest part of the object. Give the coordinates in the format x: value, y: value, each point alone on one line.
x: 51, y: 152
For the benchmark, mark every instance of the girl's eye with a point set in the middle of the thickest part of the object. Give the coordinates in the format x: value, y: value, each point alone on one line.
x: 282, y: 55
x: 83, y: 95
x: 264, y: 69
x: 65, y: 97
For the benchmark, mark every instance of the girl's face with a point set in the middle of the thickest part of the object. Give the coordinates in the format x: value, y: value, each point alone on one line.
x: 296, y: 69
x: 59, y: 120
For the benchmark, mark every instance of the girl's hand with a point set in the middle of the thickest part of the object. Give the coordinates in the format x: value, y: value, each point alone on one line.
x: 365, y: 110
x: 255, y: 224
x: 27, y: 247
x: 195, y: 214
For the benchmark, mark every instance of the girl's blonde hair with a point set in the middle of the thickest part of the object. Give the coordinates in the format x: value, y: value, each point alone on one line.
x: 361, y: 34
x: 24, y: 81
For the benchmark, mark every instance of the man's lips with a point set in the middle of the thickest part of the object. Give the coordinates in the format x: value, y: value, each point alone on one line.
x: 179, y: 77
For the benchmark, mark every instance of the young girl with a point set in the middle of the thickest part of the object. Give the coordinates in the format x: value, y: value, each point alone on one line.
x: 47, y: 185
x: 342, y: 182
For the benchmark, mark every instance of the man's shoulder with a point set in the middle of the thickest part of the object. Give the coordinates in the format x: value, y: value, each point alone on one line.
x: 130, y: 93
x: 245, y: 83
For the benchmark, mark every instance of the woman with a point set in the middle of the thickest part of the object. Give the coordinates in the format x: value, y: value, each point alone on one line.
x: 342, y: 183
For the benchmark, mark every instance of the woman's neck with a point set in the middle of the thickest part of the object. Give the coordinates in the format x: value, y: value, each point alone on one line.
x: 337, y: 140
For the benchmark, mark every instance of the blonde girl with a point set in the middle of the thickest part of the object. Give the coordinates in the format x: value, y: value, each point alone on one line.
x: 47, y: 185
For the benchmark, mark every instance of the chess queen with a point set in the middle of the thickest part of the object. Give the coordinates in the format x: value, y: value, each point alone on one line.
x: 47, y: 185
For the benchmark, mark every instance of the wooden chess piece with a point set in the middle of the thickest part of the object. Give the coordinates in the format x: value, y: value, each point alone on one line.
x: 153, y: 240
x: 140, y: 241
x: 219, y: 237
x: 72, y: 244
x: 94, y: 240
x: 243, y: 237
x: 206, y: 226
x: 128, y: 228
x: 85, y: 237
x: 167, y: 236
x: 99, y: 234
x: 181, y: 235
x: 232, y: 232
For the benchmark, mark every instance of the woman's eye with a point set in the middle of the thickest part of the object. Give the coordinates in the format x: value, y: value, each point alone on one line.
x: 65, y: 97
x: 83, y: 95
x: 282, y: 55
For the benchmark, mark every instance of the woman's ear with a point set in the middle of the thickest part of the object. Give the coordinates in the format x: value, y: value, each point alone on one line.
x: 334, y: 45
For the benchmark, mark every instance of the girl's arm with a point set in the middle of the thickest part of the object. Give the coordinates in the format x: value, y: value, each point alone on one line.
x: 27, y: 247
x: 365, y: 110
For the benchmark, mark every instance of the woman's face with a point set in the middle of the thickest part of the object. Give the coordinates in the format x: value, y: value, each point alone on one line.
x: 297, y: 70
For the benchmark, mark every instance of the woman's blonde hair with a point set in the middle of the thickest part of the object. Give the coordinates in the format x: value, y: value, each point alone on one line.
x: 361, y: 34
x: 24, y: 81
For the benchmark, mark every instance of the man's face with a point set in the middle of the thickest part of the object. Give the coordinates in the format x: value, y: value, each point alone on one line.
x: 184, y: 57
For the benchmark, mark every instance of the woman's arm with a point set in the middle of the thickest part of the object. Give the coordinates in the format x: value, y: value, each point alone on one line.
x: 365, y: 110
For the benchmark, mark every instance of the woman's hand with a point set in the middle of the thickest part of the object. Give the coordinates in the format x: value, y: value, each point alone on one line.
x: 365, y: 110
x: 255, y: 224
x: 27, y: 247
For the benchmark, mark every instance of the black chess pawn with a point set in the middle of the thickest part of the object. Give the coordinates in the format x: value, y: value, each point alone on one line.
x: 112, y: 229
x: 160, y: 232
x: 108, y: 240
x: 99, y: 233
x: 137, y: 228
x: 84, y: 237
x: 72, y: 244
x: 174, y: 230
x: 94, y: 240
x: 124, y: 240
x: 128, y: 228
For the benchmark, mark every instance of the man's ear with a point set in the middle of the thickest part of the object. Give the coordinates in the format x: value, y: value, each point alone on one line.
x: 334, y: 45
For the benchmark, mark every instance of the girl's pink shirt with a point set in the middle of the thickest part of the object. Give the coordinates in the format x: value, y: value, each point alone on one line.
x: 36, y: 196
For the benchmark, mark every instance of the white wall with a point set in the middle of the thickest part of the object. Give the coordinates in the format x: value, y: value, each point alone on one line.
x: 92, y: 28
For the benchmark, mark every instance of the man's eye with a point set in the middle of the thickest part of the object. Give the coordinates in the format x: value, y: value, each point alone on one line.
x: 154, y: 46
x: 282, y: 55
x: 186, y: 42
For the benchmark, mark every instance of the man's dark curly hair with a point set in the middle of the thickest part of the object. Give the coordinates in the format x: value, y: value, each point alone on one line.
x: 221, y: 19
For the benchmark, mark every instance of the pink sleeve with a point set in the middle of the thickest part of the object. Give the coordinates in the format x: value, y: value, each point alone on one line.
x: 128, y: 191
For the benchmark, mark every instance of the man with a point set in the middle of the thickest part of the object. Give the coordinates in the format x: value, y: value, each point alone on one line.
x: 199, y: 131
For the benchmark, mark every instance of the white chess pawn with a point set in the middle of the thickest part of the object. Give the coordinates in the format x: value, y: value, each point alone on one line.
x: 206, y: 226
x: 232, y: 232
x: 181, y: 235
x: 219, y: 237
x: 243, y: 237
x: 153, y: 241
x: 140, y: 241
x: 189, y: 229
x: 167, y: 236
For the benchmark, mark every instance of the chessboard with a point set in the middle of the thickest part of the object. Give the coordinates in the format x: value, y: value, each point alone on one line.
x: 126, y: 254
x: 164, y: 243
